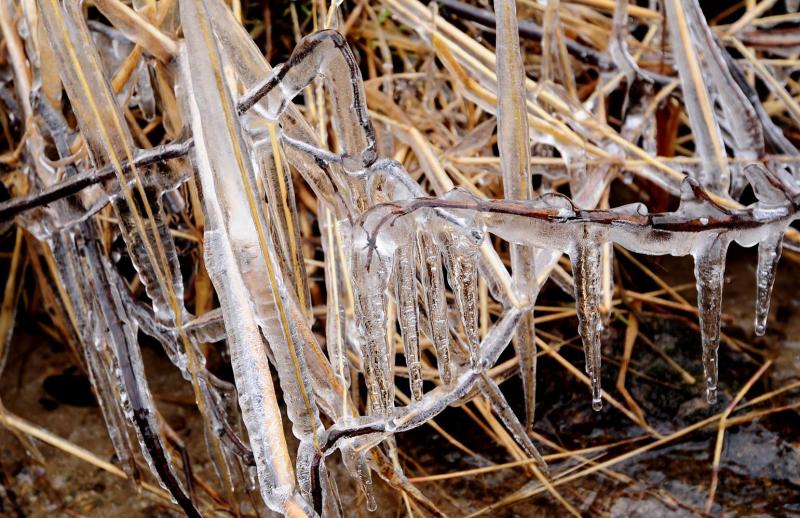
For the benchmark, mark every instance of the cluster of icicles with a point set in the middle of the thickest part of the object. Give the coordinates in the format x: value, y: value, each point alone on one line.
x: 396, y: 242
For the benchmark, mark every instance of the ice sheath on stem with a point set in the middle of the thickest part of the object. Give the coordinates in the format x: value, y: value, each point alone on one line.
x: 714, y: 171
x: 513, y: 141
x: 244, y: 267
x: 326, y: 179
x: 110, y: 144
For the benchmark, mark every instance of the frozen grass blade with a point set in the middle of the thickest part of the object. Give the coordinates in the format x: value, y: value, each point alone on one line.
x: 715, y: 172
x: 514, y: 144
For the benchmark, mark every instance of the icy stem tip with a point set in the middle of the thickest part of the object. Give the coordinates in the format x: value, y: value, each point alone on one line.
x: 711, y: 395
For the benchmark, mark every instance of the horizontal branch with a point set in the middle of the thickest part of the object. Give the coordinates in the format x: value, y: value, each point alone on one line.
x: 80, y: 181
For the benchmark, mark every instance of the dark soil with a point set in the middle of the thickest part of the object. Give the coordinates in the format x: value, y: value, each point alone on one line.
x: 760, y: 470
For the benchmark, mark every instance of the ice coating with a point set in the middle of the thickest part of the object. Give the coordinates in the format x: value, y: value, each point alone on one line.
x: 552, y: 222
x: 282, y: 210
x: 513, y: 138
x: 334, y: 279
x: 234, y: 220
x: 81, y: 304
x: 715, y: 172
x: 325, y: 53
x: 380, y: 232
x: 110, y: 143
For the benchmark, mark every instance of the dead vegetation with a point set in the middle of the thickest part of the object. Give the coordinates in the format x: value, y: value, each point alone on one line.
x: 395, y: 253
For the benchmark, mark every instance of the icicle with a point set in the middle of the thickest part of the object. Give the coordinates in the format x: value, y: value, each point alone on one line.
x: 356, y: 463
x: 769, y: 253
x: 586, y: 269
x: 331, y: 502
x: 460, y: 254
x: 407, y: 313
x: 772, y: 191
x: 370, y: 287
x: 376, y: 239
x: 435, y: 303
x: 709, y: 271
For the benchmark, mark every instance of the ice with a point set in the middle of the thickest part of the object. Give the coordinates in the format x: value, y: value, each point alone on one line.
x: 381, y: 231
x: 283, y: 212
x: 738, y: 117
x: 586, y: 265
x: 513, y: 139
x: 460, y: 253
x: 237, y: 250
x: 356, y: 463
x: 618, y: 46
x: 326, y: 53
x: 335, y: 321
x: 709, y: 271
x: 769, y: 253
x: 110, y: 143
x: 371, y: 270
x: 80, y: 306
x: 772, y: 191
x: 715, y: 172
x: 432, y: 278
x: 129, y: 370
x: 251, y: 67
x: 501, y: 407
x: 407, y: 313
